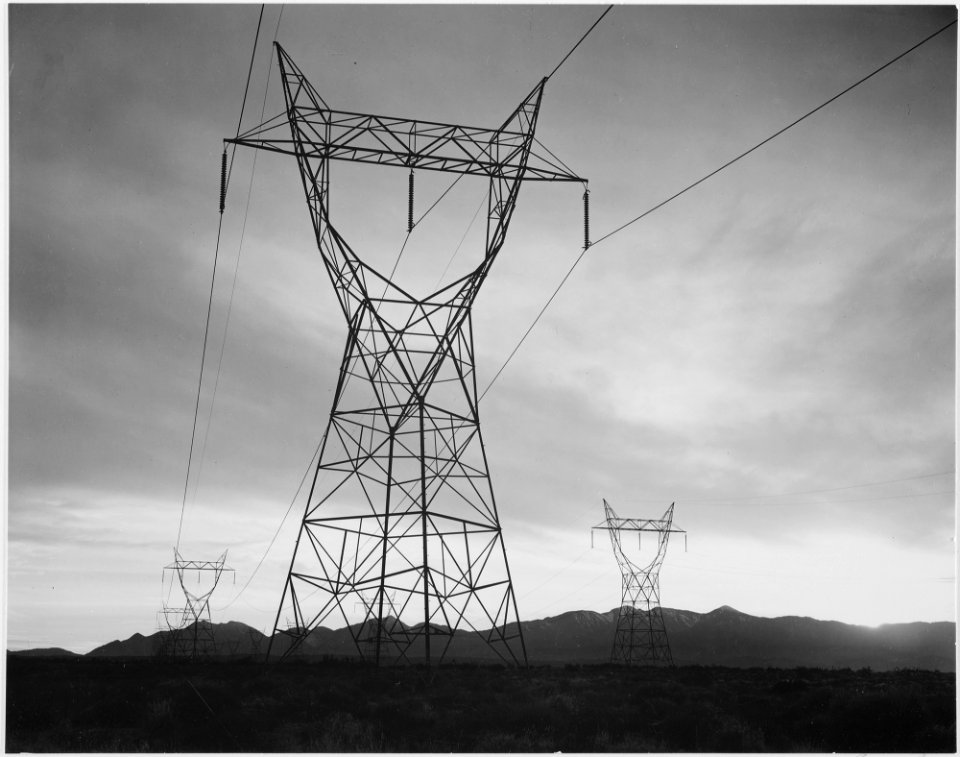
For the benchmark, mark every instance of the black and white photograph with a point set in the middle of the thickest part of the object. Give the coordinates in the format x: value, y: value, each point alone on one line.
x: 480, y: 378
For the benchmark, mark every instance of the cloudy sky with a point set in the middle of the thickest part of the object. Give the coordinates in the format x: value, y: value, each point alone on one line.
x: 773, y: 351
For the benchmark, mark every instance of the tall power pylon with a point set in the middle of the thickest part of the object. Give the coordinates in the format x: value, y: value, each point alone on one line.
x: 189, y: 629
x: 401, y: 520
x: 641, y: 637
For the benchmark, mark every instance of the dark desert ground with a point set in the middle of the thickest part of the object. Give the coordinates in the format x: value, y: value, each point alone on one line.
x: 112, y: 705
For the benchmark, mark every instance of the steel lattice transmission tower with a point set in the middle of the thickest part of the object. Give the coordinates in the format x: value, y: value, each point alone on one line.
x: 401, y: 519
x: 641, y: 637
x: 189, y: 629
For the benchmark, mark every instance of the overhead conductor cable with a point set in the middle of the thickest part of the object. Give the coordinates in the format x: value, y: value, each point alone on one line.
x: 699, y: 181
x: 213, y: 278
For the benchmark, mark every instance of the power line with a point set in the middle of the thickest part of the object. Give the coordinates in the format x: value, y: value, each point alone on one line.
x: 527, y: 332
x: 609, y: 8
x: 310, y: 464
x: 246, y: 88
x: 552, y: 155
x: 778, y: 133
x: 572, y: 592
x: 835, y: 501
x: 823, y: 491
x: 700, y: 181
x: 397, y: 262
x: 282, y: 521
x: 196, y: 409
x: 233, y: 288
x: 206, y: 329
x: 393, y: 271
x: 592, y: 27
x: 323, y: 438
x: 437, y: 201
x: 276, y: 32
x: 415, y: 224
x: 462, y: 240
x: 555, y: 574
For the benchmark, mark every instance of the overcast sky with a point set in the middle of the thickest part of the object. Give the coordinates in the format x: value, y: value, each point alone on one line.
x: 773, y: 351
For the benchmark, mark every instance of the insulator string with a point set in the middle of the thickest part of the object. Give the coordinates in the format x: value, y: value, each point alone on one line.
x: 223, y: 180
x: 410, y: 203
x: 586, y: 218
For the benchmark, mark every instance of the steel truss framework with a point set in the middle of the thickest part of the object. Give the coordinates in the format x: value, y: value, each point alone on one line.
x: 401, y: 519
x: 189, y: 629
x: 640, y: 637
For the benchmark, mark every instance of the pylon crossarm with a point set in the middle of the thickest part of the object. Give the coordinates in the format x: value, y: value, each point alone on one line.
x: 318, y: 132
x: 641, y: 635
x: 651, y: 526
x: 198, y: 565
x: 196, y: 610
x: 612, y: 522
x: 389, y: 141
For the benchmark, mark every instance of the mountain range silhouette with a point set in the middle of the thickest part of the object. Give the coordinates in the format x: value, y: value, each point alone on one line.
x: 723, y: 637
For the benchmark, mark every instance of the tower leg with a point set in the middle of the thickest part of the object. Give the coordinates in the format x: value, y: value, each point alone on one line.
x: 401, y: 508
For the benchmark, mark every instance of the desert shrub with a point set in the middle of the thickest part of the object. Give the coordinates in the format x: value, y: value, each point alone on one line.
x: 900, y: 720
x: 690, y: 727
x: 106, y: 705
x: 526, y: 740
x: 342, y: 732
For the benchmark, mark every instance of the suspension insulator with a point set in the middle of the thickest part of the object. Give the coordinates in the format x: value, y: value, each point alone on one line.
x: 586, y: 218
x: 223, y: 180
x: 410, y: 203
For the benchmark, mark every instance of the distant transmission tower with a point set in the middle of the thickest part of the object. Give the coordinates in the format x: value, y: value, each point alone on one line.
x: 400, y: 538
x: 641, y: 637
x: 189, y: 629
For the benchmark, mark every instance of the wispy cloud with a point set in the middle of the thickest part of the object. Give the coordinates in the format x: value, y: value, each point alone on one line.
x: 786, y: 329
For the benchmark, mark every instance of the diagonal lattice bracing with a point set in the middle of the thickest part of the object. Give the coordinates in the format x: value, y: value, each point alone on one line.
x: 641, y: 636
x: 401, y: 538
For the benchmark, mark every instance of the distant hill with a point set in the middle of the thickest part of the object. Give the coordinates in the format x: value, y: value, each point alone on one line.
x: 45, y: 652
x: 232, y: 638
x: 136, y: 646
x: 728, y: 637
x: 724, y: 637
